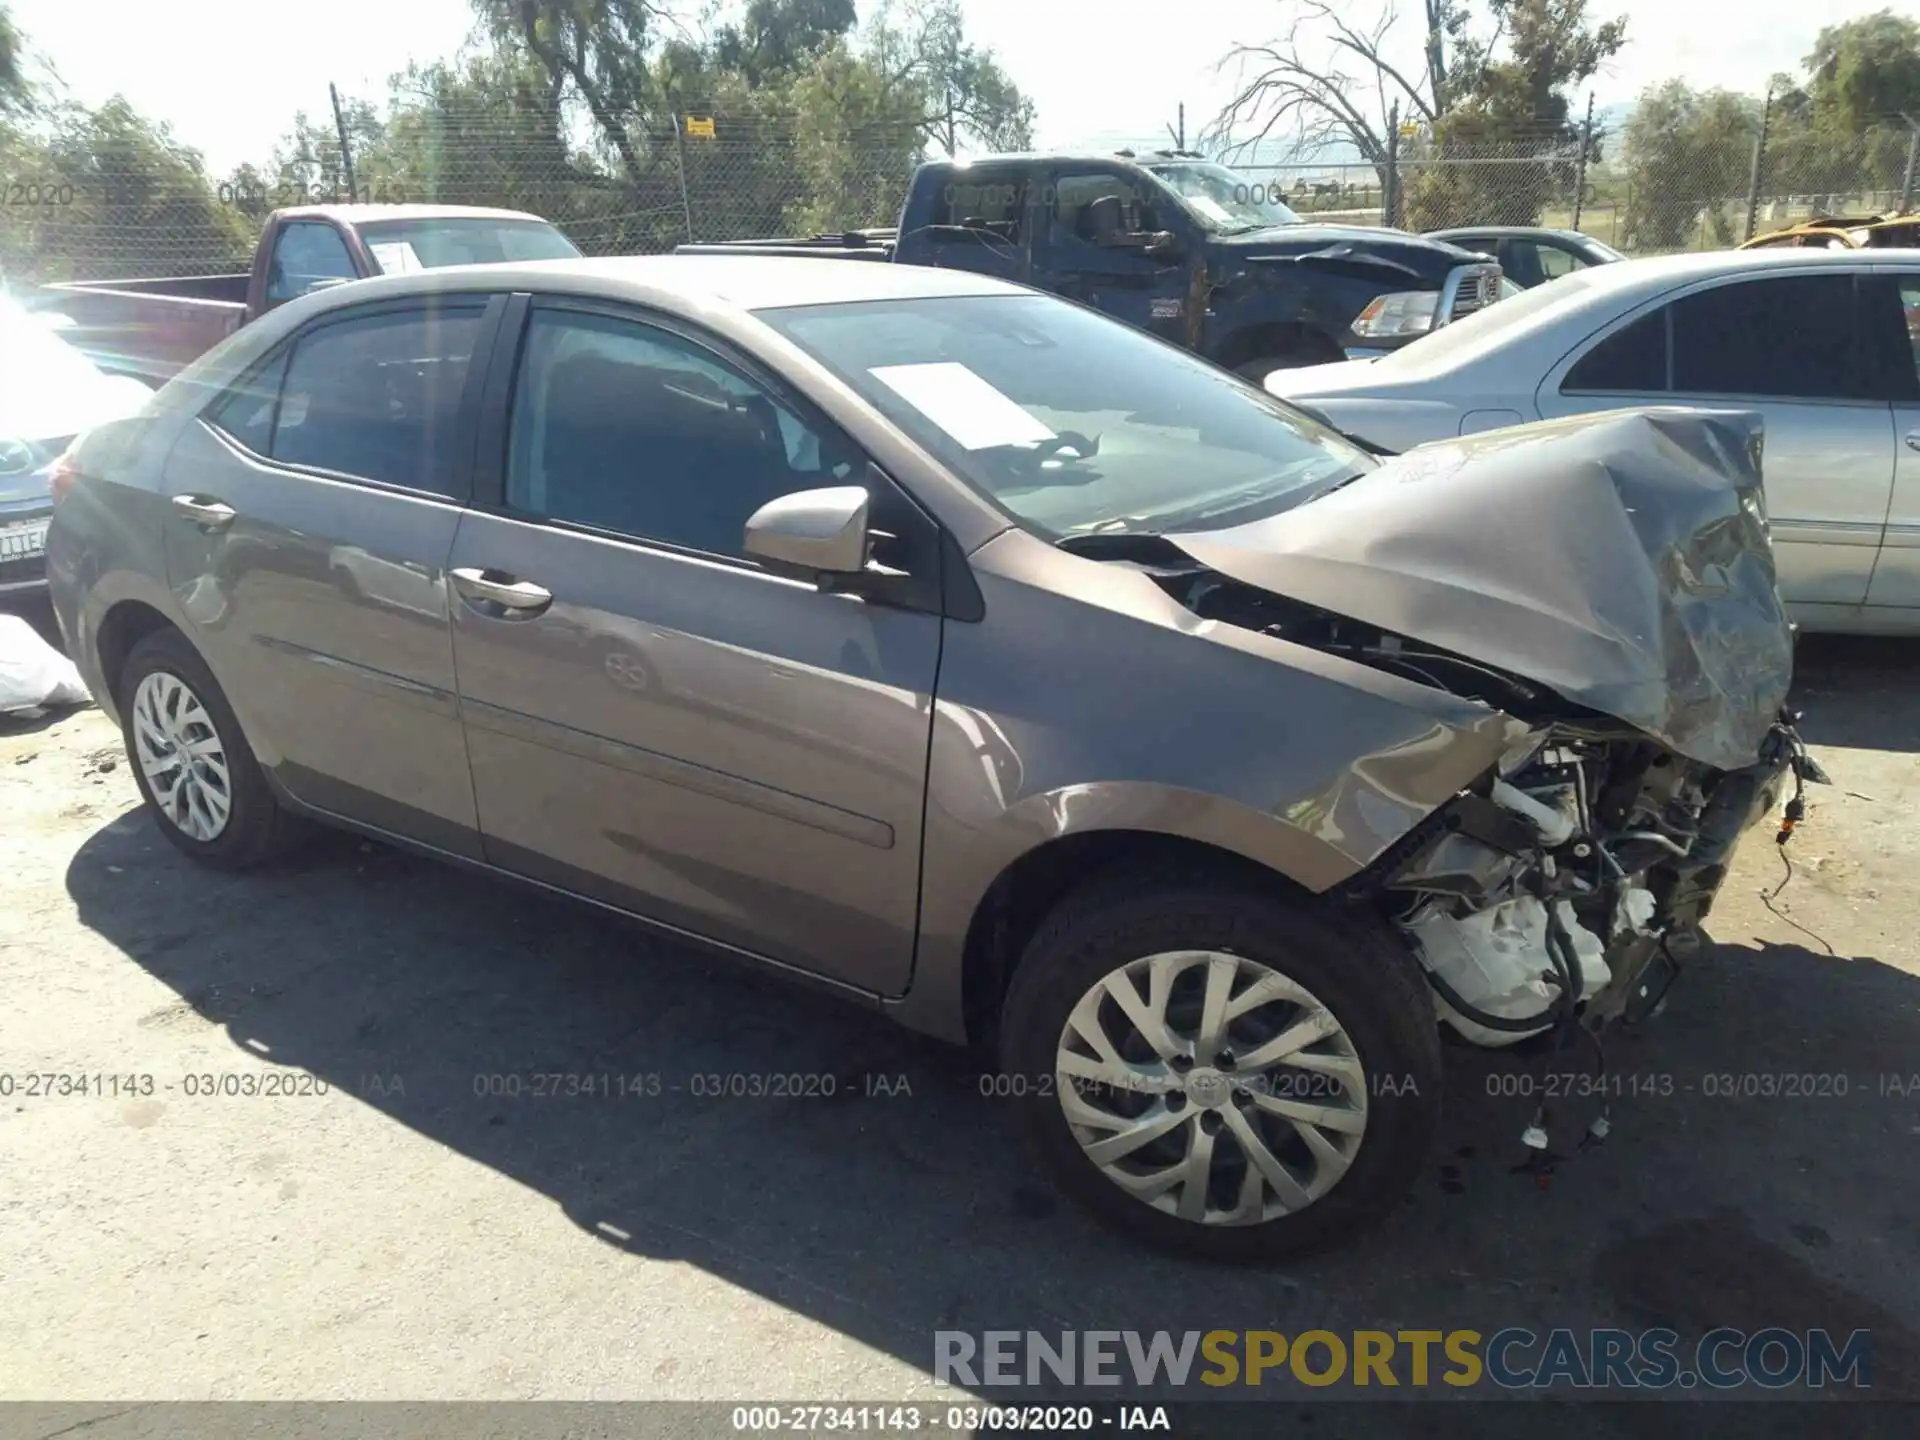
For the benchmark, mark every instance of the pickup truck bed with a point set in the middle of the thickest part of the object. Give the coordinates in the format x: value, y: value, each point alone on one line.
x: 152, y: 328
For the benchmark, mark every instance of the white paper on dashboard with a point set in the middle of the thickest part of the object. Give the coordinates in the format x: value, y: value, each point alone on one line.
x: 1210, y: 208
x: 395, y: 257
x: 962, y: 404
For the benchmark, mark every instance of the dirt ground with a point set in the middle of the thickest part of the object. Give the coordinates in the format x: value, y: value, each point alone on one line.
x: 408, y: 1235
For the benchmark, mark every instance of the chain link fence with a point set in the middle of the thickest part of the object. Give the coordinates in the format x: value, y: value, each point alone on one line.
x: 99, y: 195
x: 1643, y: 195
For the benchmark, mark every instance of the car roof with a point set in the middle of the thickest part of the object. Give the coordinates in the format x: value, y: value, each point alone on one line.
x: 1507, y: 230
x: 1658, y: 272
x: 742, y: 282
x: 370, y: 214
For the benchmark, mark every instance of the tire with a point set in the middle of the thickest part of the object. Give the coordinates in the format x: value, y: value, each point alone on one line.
x: 164, y: 670
x: 1353, y: 969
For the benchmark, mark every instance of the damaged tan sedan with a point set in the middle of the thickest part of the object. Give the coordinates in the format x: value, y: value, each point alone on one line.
x: 976, y: 658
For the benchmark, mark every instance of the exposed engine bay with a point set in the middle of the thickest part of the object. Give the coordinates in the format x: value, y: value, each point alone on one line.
x: 1568, y: 884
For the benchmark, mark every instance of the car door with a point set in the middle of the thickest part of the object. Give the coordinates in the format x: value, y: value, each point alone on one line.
x: 654, y: 720
x: 1788, y: 346
x: 1894, y: 317
x: 1090, y: 245
x: 314, y: 507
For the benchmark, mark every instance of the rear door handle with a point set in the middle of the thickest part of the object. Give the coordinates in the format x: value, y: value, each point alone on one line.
x: 1913, y: 439
x: 207, y: 514
x: 482, y: 587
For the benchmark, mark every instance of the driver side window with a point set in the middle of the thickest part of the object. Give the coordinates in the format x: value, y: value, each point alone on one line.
x: 306, y: 255
x: 1094, y: 209
x: 626, y: 427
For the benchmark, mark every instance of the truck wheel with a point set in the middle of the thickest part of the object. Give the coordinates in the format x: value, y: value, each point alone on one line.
x: 191, y: 761
x: 1222, y: 1071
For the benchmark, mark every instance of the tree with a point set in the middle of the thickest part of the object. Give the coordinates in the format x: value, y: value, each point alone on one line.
x: 1866, y: 71
x: 781, y: 39
x: 139, y: 203
x: 921, y: 49
x: 16, y: 93
x: 1687, y: 153
x: 1339, y: 77
x: 856, y: 139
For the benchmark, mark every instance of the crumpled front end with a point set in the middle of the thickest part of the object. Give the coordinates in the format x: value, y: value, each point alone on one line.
x: 1609, y: 581
x: 1621, y: 561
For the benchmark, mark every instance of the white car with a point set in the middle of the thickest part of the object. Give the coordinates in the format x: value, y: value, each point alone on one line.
x: 49, y: 393
x: 1824, y: 345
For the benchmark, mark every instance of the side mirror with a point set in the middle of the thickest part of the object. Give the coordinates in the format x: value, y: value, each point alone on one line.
x: 1164, y: 245
x: 811, y: 533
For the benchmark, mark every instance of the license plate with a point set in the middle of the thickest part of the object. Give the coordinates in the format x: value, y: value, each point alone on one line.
x: 20, y: 540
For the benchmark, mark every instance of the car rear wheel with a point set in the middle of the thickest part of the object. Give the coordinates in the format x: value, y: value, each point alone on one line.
x: 191, y: 761
x: 1219, y: 1070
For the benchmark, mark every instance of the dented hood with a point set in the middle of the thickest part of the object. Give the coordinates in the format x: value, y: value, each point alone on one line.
x: 1622, y: 560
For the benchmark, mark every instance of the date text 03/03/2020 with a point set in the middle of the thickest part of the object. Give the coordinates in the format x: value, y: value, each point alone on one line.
x: 958, y: 1420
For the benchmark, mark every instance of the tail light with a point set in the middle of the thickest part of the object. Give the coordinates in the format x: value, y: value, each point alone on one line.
x: 61, y: 475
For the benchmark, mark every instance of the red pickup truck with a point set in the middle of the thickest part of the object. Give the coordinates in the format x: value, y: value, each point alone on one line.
x: 151, y: 329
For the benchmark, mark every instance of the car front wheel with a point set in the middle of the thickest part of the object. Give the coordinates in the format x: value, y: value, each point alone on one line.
x: 1220, y: 1070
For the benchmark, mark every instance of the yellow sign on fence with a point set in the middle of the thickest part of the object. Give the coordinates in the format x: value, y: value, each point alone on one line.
x: 700, y: 127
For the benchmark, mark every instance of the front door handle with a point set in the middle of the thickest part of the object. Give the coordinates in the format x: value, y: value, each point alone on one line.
x: 209, y: 515
x: 490, y: 587
x: 1913, y: 439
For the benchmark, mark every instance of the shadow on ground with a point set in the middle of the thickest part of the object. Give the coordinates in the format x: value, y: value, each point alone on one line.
x: 898, y: 1206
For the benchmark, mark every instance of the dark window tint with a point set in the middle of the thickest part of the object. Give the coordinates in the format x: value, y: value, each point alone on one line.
x: 306, y: 256
x: 1790, y: 336
x: 1633, y: 359
x: 1893, y: 332
x: 992, y: 201
x: 379, y: 397
x: 246, y: 411
x: 625, y: 427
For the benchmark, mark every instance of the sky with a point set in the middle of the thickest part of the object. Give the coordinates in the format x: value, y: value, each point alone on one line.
x: 228, y: 74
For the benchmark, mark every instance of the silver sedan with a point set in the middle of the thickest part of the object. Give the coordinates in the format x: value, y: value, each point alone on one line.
x: 1824, y: 346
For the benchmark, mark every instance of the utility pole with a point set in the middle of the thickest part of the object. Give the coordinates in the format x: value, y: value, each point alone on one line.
x: 680, y: 147
x: 1390, y: 190
x: 1179, y: 136
x: 1913, y: 153
x: 1580, y: 177
x: 346, y: 151
x: 1759, y: 160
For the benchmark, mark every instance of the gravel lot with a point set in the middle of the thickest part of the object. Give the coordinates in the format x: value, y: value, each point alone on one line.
x: 402, y: 1236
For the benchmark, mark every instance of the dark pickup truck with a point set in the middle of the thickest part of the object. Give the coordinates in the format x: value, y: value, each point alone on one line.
x: 150, y: 329
x: 1183, y: 248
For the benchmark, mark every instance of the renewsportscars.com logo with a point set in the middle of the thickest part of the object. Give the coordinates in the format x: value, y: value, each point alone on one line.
x: 1512, y: 1358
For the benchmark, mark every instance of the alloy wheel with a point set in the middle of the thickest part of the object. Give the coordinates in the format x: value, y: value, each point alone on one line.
x: 1211, y: 1087
x: 181, y: 756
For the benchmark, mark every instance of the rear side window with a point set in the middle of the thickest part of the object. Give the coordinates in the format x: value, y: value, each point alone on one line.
x: 990, y: 201
x: 1632, y: 360
x: 1791, y: 337
x: 378, y: 398
x: 245, y: 413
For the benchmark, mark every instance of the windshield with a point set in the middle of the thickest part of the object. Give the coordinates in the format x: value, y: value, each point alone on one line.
x: 1070, y: 423
x: 1223, y: 200
x: 400, y: 246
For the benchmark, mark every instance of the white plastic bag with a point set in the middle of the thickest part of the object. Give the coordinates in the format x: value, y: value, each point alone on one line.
x: 32, y: 672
